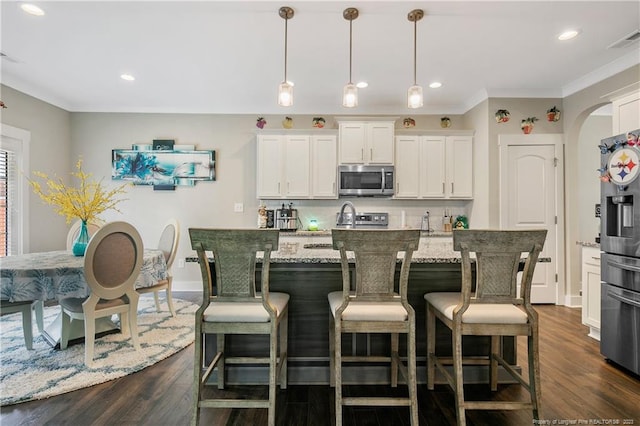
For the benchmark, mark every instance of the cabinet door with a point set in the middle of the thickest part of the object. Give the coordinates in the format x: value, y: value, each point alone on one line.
x: 459, y: 167
x: 432, y: 171
x: 591, y: 286
x: 352, y: 137
x: 324, y: 170
x: 407, y: 168
x: 626, y: 113
x: 379, y: 143
x: 296, y: 166
x: 269, y: 160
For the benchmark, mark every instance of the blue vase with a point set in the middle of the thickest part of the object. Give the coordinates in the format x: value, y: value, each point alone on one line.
x: 81, y: 241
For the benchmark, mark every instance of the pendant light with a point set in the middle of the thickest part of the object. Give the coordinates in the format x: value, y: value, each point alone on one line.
x: 350, y: 92
x: 285, y: 89
x: 415, y: 99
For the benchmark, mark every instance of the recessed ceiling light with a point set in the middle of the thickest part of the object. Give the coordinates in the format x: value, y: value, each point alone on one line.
x: 568, y: 35
x: 32, y: 9
x: 362, y: 85
x: 127, y: 77
x: 435, y: 85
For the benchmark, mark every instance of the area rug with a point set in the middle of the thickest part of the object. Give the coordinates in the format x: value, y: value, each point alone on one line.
x: 44, y: 372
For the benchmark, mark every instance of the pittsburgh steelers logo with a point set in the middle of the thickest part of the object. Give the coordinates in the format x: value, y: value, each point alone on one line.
x: 624, y: 166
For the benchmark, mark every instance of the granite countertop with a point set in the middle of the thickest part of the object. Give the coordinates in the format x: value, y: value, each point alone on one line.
x: 295, y: 248
x: 588, y: 244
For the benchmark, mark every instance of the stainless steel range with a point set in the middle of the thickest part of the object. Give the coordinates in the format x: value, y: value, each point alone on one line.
x: 620, y: 242
x: 363, y: 220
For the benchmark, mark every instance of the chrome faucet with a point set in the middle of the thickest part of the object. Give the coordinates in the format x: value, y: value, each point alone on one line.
x: 341, y: 220
x: 425, y: 222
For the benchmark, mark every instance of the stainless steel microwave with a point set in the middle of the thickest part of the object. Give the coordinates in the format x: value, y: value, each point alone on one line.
x: 365, y: 181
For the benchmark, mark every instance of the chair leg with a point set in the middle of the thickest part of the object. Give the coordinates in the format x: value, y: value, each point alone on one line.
x: 197, y: 376
x: 156, y: 298
x: 27, y: 327
x: 411, y: 368
x: 395, y: 344
x: 534, y: 372
x: 170, y: 301
x: 458, y: 378
x: 332, y: 352
x: 65, y: 326
x: 493, y: 363
x: 221, y: 363
x: 38, y: 307
x: 284, y: 352
x: 431, y: 346
x: 337, y: 365
x: 89, y: 337
x: 273, y: 368
x: 133, y: 325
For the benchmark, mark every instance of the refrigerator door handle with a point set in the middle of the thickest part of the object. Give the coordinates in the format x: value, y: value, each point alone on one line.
x: 623, y: 266
x: 624, y: 299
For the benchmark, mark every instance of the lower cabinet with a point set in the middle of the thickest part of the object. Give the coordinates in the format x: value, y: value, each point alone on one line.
x: 591, y: 290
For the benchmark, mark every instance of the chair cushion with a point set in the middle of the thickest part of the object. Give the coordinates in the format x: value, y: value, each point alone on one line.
x: 244, y: 311
x: 367, y: 311
x: 477, y: 313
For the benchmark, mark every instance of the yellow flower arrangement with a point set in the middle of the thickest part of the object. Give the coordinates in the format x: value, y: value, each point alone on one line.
x: 85, y: 202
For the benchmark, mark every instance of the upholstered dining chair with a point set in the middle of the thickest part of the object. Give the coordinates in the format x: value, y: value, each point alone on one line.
x: 169, y: 245
x: 25, y: 308
x: 92, y: 227
x: 488, y: 307
x: 112, y: 264
x: 374, y: 305
x: 238, y: 307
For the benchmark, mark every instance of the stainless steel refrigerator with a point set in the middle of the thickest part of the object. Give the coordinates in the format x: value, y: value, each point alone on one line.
x: 620, y: 243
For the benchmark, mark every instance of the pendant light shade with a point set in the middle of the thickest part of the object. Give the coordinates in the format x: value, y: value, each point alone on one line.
x: 350, y: 92
x: 285, y: 89
x: 415, y: 98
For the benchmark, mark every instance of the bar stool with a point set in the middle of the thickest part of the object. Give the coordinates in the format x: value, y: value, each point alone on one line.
x: 374, y: 307
x: 238, y: 308
x: 492, y: 309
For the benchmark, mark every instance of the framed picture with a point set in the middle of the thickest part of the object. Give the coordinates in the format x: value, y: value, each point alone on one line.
x: 163, y: 167
x: 163, y: 144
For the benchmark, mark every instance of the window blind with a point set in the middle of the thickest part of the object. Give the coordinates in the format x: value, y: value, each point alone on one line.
x: 8, y: 200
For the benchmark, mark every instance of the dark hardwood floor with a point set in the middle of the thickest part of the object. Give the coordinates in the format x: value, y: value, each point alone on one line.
x: 578, y: 387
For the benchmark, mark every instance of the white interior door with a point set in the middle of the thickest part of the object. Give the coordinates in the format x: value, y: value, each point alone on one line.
x: 528, y: 198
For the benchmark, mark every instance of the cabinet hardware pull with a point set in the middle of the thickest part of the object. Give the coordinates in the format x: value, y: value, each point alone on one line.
x: 362, y: 154
x: 452, y: 191
x: 370, y: 154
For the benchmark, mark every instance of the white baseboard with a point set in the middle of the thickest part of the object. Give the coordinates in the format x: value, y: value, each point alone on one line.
x: 572, y: 301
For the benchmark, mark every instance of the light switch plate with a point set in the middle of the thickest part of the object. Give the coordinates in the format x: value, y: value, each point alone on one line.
x: 238, y: 207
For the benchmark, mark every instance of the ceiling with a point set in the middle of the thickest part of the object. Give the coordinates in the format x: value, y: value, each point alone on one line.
x: 228, y: 57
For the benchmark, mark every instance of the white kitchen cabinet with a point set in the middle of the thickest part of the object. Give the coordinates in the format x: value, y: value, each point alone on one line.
x: 591, y: 290
x: 324, y: 166
x: 366, y: 142
x: 626, y: 113
x: 283, y: 166
x: 434, y: 167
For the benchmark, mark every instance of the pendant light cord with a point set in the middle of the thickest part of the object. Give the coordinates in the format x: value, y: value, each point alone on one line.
x: 415, y: 43
x: 350, y: 47
x: 286, y: 21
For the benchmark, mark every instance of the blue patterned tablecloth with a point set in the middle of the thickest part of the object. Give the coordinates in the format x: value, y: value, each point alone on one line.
x: 59, y: 274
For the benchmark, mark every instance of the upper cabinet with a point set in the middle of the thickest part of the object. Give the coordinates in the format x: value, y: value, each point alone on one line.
x: 626, y: 113
x: 366, y: 142
x: 324, y: 166
x: 434, y: 167
x: 296, y: 166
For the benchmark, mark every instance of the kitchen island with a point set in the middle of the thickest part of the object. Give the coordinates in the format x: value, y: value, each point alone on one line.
x: 307, y: 268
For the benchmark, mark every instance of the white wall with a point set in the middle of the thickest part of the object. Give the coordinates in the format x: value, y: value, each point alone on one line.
x: 595, y: 128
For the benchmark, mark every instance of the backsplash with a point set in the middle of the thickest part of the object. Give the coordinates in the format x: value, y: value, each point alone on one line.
x: 324, y: 211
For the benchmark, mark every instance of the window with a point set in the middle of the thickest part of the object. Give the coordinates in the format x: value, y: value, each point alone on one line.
x: 14, y: 150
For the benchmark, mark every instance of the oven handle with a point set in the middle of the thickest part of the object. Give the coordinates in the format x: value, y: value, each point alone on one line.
x: 624, y: 299
x: 623, y: 266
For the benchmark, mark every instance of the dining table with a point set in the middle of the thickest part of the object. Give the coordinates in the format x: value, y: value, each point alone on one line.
x: 56, y: 275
